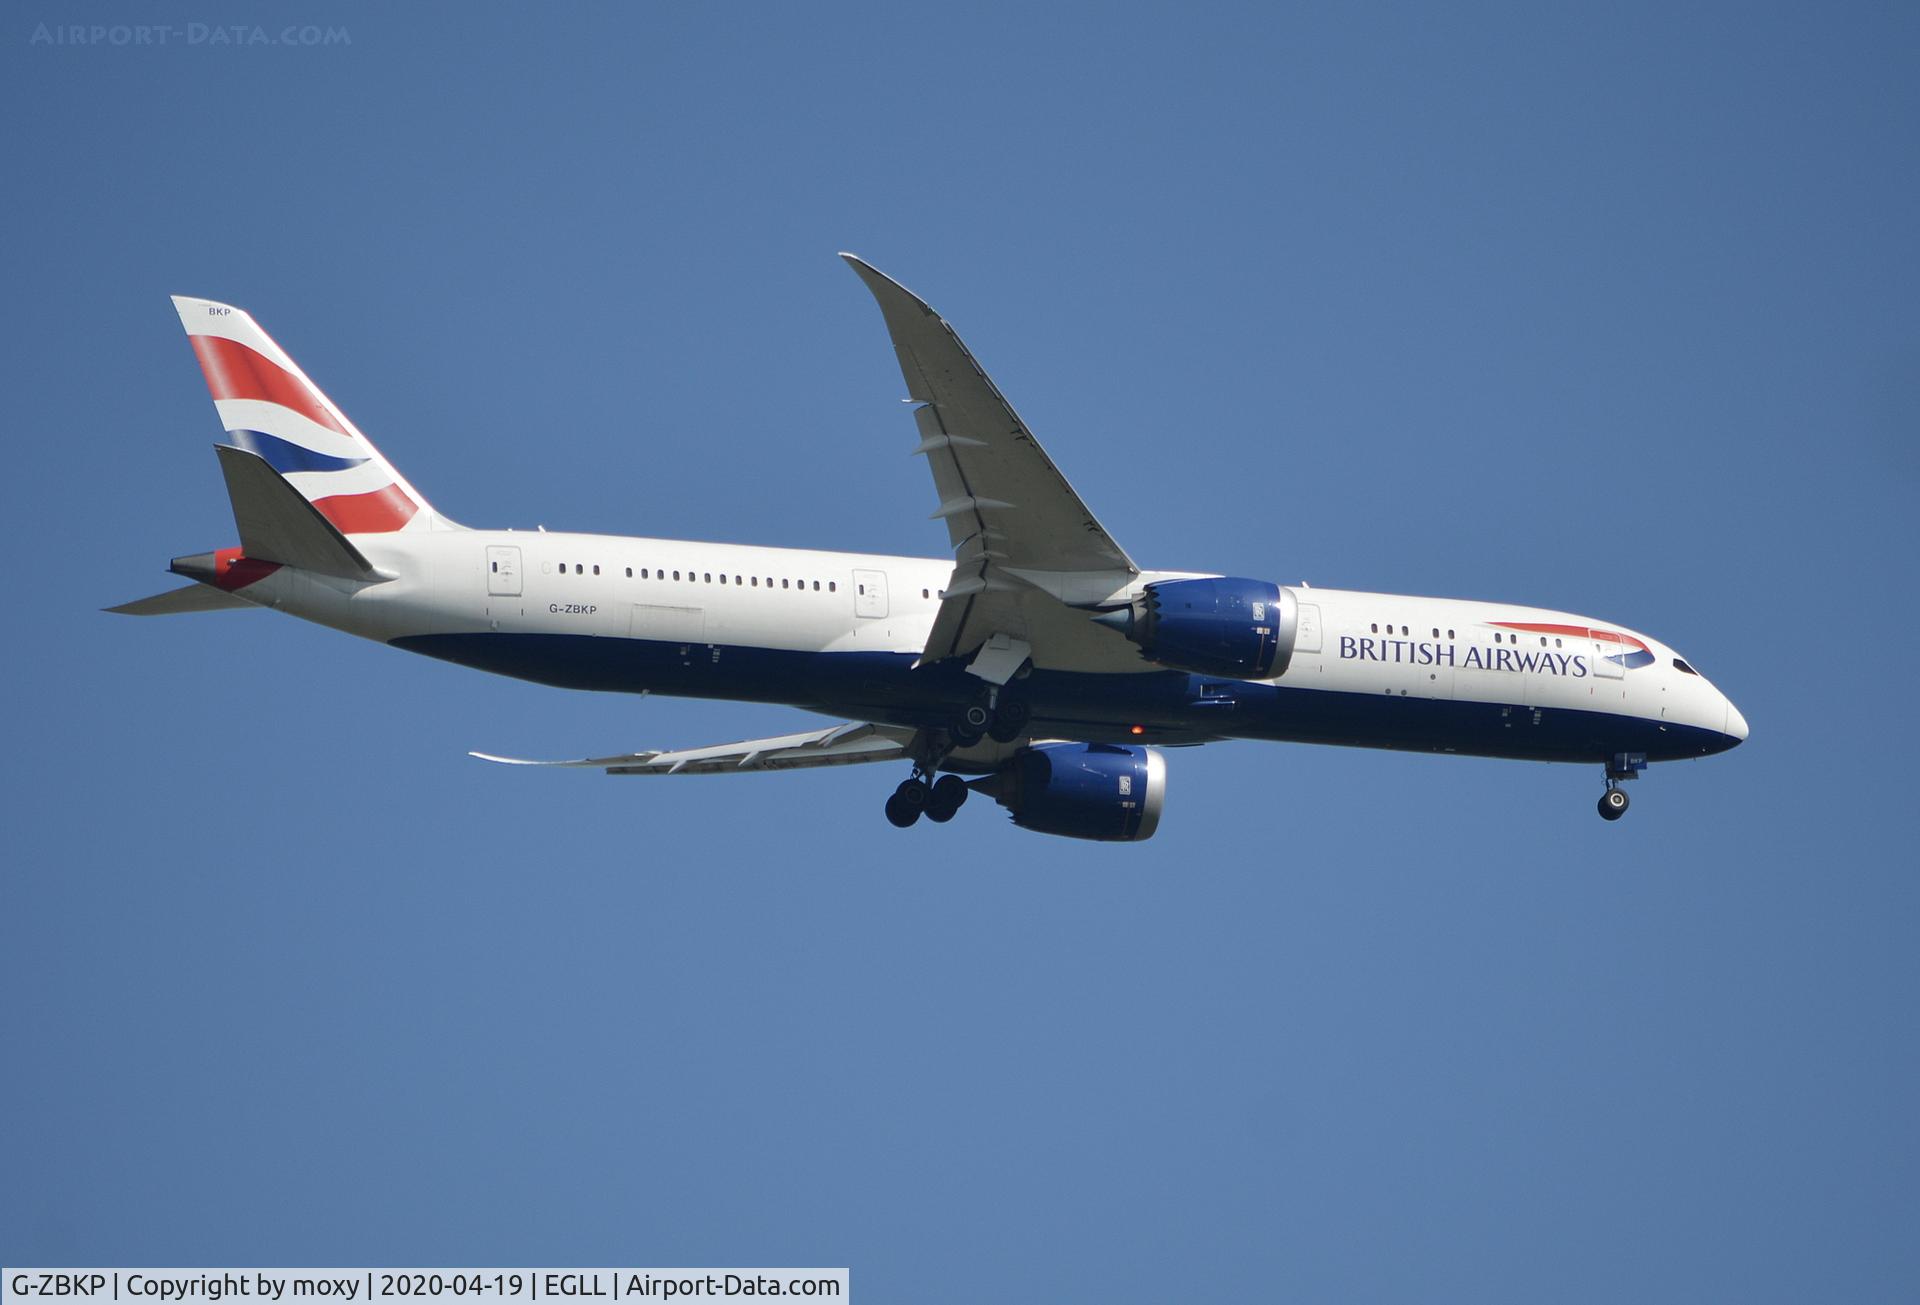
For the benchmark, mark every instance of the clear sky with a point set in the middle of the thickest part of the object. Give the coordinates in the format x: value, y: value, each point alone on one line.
x: 1608, y: 309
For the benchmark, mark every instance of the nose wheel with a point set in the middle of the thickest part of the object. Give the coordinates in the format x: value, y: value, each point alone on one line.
x: 1613, y: 803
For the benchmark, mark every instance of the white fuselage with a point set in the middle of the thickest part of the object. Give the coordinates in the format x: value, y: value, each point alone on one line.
x: 842, y: 631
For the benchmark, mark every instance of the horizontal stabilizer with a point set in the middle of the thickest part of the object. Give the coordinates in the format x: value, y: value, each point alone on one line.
x: 277, y: 524
x: 194, y: 598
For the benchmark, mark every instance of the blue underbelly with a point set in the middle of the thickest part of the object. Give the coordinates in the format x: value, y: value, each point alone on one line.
x: 1170, y: 706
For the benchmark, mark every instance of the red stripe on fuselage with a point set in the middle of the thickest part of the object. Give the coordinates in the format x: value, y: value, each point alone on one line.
x: 234, y: 371
x: 373, y: 513
x: 1574, y: 631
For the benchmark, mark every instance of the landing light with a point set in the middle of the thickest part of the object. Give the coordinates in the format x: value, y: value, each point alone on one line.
x: 1137, y: 729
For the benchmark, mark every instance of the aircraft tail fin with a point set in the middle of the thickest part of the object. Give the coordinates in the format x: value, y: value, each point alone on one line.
x: 272, y: 410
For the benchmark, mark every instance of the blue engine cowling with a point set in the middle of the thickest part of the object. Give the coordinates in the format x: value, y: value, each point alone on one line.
x: 1108, y: 792
x: 1219, y: 626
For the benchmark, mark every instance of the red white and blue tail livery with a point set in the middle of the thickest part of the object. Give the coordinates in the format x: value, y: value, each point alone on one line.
x: 270, y: 408
x: 1037, y: 664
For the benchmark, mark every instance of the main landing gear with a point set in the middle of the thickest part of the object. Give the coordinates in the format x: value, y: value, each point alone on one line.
x: 921, y: 795
x: 998, y: 714
x: 1621, y: 767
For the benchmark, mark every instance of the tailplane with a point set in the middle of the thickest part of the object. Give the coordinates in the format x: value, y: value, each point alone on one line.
x: 278, y: 527
x: 271, y: 410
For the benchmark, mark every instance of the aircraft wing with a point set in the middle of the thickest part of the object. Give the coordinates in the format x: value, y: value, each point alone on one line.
x: 1029, y: 557
x: 837, y: 745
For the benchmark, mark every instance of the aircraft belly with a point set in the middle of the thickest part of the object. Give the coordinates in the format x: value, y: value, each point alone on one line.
x: 1168, y: 706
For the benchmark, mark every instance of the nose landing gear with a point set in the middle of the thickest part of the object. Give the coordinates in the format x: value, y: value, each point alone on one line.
x: 1620, y: 768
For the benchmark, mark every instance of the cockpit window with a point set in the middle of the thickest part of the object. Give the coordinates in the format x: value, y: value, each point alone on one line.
x: 1679, y: 665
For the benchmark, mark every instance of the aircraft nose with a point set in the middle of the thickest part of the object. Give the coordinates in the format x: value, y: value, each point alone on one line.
x: 1736, y: 726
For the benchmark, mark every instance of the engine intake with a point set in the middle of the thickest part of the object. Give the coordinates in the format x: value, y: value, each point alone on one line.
x: 1108, y: 792
x: 1219, y: 626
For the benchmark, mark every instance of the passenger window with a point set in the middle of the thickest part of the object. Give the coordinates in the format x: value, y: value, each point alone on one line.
x: 579, y: 569
x: 783, y: 584
x: 833, y: 587
x: 1375, y: 627
x: 496, y: 566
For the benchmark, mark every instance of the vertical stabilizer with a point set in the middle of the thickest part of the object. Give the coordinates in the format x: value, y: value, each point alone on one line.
x: 271, y: 409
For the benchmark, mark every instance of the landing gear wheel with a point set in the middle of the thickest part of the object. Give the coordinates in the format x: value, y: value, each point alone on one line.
x: 907, y: 802
x: 949, y: 791
x: 970, y: 726
x: 1613, y: 804
x: 1010, y: 722
x: 899, y: 814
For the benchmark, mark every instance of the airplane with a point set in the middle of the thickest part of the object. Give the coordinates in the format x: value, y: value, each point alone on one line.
x: 1038, y: 665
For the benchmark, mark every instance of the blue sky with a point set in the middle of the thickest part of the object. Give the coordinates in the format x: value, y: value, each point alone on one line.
x: 1610, y: 312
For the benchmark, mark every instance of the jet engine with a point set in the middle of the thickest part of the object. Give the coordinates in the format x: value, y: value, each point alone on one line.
x: 1108, y: 792
x: 1220, y: 626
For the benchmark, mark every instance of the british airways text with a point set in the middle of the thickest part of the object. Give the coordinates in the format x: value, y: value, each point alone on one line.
x: 1419, y: 652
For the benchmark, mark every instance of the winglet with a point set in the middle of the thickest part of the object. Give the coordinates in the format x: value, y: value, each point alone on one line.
x: 888, y: 291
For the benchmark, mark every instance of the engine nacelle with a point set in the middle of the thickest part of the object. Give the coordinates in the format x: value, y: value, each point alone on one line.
x: 1224, y: 626
x: 1108, y: 792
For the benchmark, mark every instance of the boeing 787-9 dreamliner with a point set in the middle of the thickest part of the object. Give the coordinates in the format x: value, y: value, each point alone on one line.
x: 1038, y: 664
